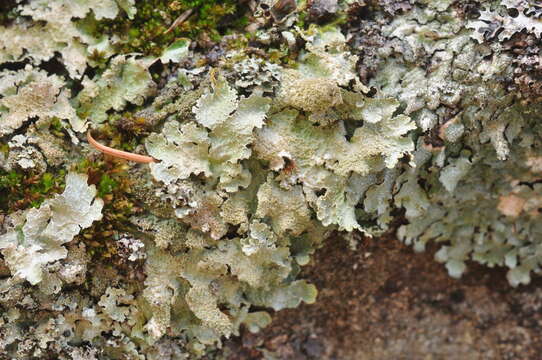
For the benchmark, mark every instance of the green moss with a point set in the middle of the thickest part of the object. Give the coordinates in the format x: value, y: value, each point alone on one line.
x: 22, y: 190
x: 106, y: 185
x: 302, y: 20
x: 10, y: 179
x: 56, y: 126
x: 146, y: 33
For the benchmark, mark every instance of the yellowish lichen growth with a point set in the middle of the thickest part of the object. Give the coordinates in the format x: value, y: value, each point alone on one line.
x: 311, y: 94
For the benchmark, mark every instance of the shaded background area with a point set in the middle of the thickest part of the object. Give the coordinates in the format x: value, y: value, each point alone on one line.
x: 383, y: 301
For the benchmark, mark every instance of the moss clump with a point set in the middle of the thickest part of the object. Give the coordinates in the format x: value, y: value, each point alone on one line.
x: 147, y: 31
x: 20, y: 190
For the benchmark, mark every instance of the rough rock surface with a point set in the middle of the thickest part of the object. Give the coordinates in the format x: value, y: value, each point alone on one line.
x: 386, y: 302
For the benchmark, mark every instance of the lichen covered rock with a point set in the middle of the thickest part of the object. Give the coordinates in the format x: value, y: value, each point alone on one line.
x: 415, y: 116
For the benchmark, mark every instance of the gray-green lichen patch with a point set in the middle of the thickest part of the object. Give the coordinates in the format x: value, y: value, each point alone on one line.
x: 470, y: 171
x: 512, y: 16
x: 37, y: 237
x: 47, y: 27
x: 32, y: 93
x: 126, y: 80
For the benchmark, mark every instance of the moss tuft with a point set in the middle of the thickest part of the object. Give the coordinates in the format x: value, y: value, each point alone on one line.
x: 147, y: 31
x: 21, y: 190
